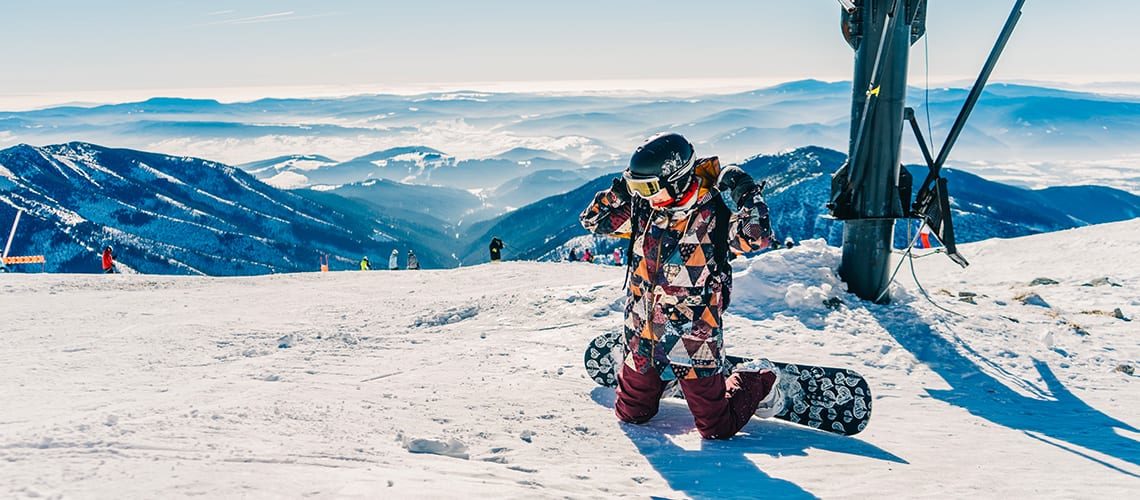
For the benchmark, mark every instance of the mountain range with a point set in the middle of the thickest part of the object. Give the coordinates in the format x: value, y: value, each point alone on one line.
x: 1025, y: 135
x: 177, y: 215
x: 797, y: 192
x: 180, y: 215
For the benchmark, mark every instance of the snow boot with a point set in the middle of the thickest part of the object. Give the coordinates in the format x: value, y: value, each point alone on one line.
x: 773, y: 400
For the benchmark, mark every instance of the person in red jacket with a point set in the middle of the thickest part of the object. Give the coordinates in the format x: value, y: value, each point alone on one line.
x: 108, y: 260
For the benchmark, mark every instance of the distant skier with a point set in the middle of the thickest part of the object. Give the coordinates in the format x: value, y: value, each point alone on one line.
x: 587, y: 256
x: 413, y: 262
x: 496, y: 248
x: 789, y: 242
x: 108, y: 260
x: 365, y: 265
x: 573, y: 255
x: 668, y: 203
x: 394, y: 260
x: 617, y: 256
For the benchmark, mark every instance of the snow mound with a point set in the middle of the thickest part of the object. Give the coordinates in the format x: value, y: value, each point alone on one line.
x: 801, y: 281
x: 447, y: 317
x: 451, y: 448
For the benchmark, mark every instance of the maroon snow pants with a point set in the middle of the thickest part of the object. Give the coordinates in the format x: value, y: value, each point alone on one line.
x: 720, y: 406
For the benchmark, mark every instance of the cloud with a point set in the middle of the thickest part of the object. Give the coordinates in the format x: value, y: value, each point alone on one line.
x: 220, y: 12
x: 269, y: 18
x: 266, y: 18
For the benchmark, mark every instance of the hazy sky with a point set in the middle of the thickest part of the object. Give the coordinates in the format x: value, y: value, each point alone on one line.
x: 82, y: 49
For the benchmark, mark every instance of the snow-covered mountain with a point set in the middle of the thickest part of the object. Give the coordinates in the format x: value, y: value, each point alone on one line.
x: 402, y: 164
x: 535, y: 186
x: 180, y: 215
x: 1021, y: 135
x: 287, y: 172
x: 799, y: 187
x: 451, y: 206
x: 425, y: 166
x: 469, y: 382
x: 174, y: 215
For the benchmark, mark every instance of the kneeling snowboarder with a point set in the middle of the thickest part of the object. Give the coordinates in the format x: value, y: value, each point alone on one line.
x: 668, y: 203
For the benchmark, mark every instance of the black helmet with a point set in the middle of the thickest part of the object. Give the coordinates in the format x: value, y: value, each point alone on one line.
x: 667, y: 156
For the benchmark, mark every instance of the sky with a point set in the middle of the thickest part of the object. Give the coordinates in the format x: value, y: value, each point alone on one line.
x: 78, y: 50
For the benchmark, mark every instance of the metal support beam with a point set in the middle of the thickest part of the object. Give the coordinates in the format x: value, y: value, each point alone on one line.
x: 865, y: 193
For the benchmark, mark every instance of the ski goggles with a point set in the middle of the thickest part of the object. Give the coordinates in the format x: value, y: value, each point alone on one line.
x: 645, y: 187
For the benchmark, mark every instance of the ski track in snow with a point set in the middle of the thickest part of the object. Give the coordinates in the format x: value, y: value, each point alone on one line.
x: 470, y: 382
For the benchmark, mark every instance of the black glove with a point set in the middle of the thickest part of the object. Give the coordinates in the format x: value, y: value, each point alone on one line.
x: 620, y: 189
x: 735, y: 181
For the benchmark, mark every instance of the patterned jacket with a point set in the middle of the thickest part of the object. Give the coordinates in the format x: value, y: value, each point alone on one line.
x: 677, y: 288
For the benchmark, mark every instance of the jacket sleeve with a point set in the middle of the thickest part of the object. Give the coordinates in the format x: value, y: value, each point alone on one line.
x: 750, y: 229
x: 607, y: 215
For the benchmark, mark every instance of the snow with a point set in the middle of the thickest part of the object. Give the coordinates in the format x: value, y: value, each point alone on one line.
x: 306, y: 164
x: 4, y: 172
x: 158, y: 174
x: 287, y: 180
x: 468, y: 382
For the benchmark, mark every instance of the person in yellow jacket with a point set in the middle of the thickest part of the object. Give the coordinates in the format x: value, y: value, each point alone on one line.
x: 365, y: 265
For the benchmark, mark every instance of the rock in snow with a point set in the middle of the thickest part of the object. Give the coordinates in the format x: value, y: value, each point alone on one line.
x: 1032, y: 299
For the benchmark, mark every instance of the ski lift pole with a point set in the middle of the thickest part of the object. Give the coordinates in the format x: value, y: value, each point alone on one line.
x: 865, y: 193
x: 11, y: 236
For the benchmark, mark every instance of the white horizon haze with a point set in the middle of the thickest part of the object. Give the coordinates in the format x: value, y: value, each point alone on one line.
x: 71, y: 51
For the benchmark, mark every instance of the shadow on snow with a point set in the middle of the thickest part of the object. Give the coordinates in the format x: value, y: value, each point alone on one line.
x: 1061, y: 421
x: 721, y: 469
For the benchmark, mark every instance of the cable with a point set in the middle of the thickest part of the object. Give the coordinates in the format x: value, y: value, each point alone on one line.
x: 894, y: 273
x: 927, y: 295
x: 908, y: 256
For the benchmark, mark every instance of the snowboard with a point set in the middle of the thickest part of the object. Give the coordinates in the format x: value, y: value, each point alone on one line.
x: 834, y: 400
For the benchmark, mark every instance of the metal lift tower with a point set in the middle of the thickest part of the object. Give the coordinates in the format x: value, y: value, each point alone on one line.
x: 872, y: 190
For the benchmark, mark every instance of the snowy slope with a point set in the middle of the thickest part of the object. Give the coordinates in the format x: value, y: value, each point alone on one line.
x: 469, y: 383
x: 175, y: 215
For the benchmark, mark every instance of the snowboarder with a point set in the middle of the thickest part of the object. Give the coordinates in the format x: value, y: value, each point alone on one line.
x: 573, y: 255
x: 587, y: 256
x: 413, y: 262
x: 668, y: 202
x: 496, y: 249
x: 365, y: 265
x: 394, y: 260
x: 617, y: 256
x: 108, y: 260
